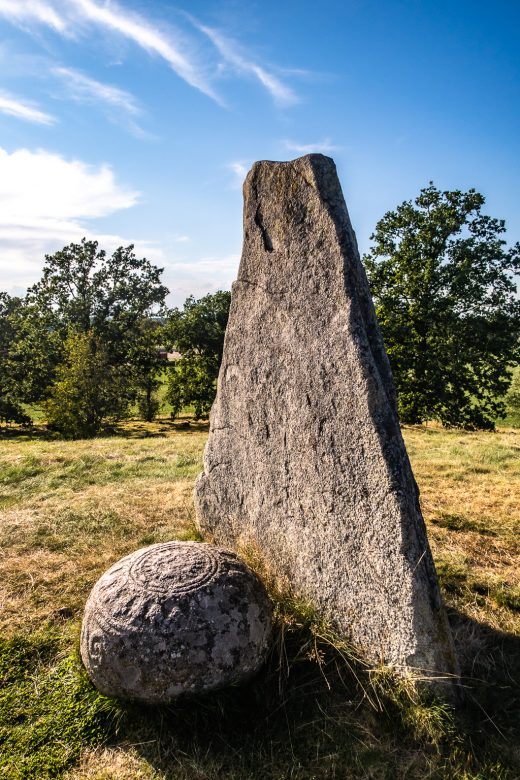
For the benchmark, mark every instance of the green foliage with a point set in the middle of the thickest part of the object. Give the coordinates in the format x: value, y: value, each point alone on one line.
x: 49, y: 711
x: 87, y: 290
x: 87, y: 390
x: 443, y: 285
x: 197, y: 332
x: 83, y: 290
x: 192, y: 382
x: 11, y: 377
x: 146, y: 367
x: 513, y: 394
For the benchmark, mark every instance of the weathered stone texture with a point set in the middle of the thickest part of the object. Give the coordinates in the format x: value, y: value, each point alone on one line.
x: 174, y: 619
x: 305, y: 456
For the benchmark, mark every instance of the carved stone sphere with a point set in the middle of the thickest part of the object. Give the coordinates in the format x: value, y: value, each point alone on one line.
x: 174, y: 619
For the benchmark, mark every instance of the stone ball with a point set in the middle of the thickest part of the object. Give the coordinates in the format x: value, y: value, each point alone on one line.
x: 175, y: 619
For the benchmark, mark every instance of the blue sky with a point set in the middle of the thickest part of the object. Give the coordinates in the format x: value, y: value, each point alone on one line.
x: 135, y: 122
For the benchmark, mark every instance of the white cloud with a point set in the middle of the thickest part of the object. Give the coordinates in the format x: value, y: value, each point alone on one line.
x: 73, y: 15
x: 22, y: 258
x: 20, y: 11
x: 319, y: 147
x: 42, y: 185
x: 44, y: 200
x: 137, y: 29
x: 118, y: 104
x: 85, y: 89
x: 240, y: 169
x: 227, y: 265
x: 13, y: 106
x: 47, y: 202
x: 233, y: 55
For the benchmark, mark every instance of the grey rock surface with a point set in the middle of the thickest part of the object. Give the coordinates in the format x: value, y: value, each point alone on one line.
x: 174, y: 619
x: 305, y: 457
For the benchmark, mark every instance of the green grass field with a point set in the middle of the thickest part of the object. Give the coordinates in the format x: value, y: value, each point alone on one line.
x: 68, y: 510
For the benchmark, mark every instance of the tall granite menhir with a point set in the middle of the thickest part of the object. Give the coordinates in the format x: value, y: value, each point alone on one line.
x: 305, y: 458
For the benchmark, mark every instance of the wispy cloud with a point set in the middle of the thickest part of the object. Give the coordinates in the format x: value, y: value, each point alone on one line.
x: 322, y: 147
x: 240, y: 168
x: 227, y: 264
x: 201, y: 276
x: 235, y: 57
x: 120, y: 106
x: 136, y: 28
x: 85, y: 89
x: 183, y: 50
x: 67, y: 17
x: 13, y: 106
x: 23, y: 11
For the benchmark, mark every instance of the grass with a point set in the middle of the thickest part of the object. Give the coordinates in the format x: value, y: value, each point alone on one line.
x: 49, y: 711
x: 70, y: 509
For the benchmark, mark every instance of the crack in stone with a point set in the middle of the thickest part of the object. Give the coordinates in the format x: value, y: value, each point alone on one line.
x: 266, y: 238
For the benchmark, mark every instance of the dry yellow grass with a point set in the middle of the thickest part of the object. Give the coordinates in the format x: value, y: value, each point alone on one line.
x: 470, y: 495
x: 122, y: 763
x: 73, y: 508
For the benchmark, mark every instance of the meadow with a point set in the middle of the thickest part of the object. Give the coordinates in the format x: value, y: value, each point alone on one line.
x: 68, y: 510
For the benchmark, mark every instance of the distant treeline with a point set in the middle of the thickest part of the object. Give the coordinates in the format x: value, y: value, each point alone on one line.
x: 89, y: 342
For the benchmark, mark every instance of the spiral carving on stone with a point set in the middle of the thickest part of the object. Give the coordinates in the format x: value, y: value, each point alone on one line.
x: 185, y: 568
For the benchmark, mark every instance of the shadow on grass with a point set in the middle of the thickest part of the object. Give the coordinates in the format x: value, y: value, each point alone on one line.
x: 297, y: 718
x: 490, y: 669
x: 27, y: 433
x: 138, y: 429
x: 312, y: 714
x: 128, y: 429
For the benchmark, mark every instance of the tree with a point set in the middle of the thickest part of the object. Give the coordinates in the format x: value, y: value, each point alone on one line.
x: 82, y: 290
x: 147, y: 367
x: 87, y: 389
x: 12, y: 385
x: 442, y: 279
x: 197, y: 332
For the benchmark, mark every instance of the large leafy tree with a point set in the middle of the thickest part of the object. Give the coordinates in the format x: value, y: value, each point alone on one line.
x: 442, y: 278
x: 13, y: 386
x: 197, y: 332
x: 83, y: 290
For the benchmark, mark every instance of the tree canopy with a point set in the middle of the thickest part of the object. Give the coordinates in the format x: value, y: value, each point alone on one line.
x: 85, y: 289
x: 442, y: 278
x: 197, y: 332
x: 12, y: 379
x: 92, y: 313
x: 513, y: 394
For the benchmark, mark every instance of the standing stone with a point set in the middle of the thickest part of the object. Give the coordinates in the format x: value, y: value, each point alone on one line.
x: 305, y: 458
